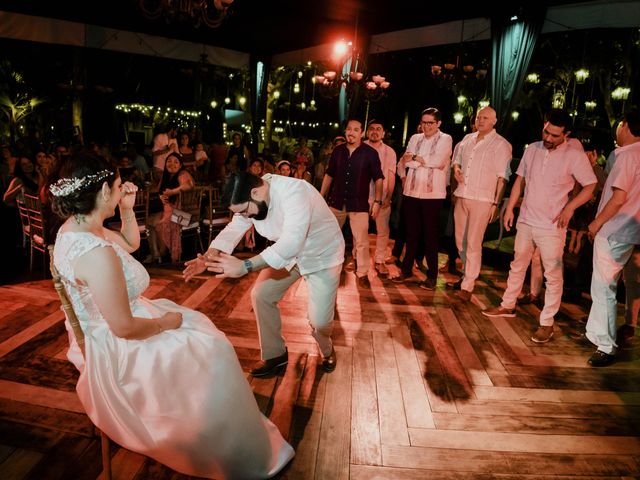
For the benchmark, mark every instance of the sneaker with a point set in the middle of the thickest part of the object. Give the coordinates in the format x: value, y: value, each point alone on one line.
x: 499, y: 312
x: 464, y: 295
x: 543, y: 334
x: 270, y: 366
x: 428, y: 284
x: 363, y: 282
x: 600, y: 359
x: 328, y: 364
x: 455, y: 285
x: 527, y: 299
x: 382, y: 269
x: 625, y: 335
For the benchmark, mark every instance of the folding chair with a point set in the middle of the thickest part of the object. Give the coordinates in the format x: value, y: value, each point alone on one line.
x: 191, y: 201
x: 37, y: 230
x: 216, y: 216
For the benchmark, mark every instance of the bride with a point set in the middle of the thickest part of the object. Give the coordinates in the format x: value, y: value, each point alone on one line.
x: 157, y: 378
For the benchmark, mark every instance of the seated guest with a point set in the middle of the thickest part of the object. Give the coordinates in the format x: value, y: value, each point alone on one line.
x: 283, y: 167
x: 163, y: 233
x: 25, y: 180
x: 159, y: 379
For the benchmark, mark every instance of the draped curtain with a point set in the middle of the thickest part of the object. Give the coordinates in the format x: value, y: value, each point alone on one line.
x: 512, y: 48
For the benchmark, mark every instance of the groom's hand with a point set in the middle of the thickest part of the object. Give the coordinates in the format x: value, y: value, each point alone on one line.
x: 198, y: 265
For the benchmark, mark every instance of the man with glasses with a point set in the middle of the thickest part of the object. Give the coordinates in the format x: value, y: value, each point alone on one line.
x: 307, y: 243
x: 427, y: 159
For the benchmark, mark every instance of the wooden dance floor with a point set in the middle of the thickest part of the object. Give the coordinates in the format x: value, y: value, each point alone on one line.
x: 425, y: 387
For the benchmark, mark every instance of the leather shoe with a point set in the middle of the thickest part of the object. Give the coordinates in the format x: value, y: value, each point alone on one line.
x: 601, y: 359
x: 464, y: 295
x: 363, y: 282
x: 270, y: 366
x: 328, y: 364
x: 455, y: 285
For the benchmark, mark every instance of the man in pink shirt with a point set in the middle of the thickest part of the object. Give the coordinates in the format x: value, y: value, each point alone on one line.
x: 547, y: 173
x: 615, y: 232
x: 481, y: 168
x: 388, y: 161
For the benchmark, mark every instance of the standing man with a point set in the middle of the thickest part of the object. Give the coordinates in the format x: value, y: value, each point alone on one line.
x: 427, y: 159
x: 308, y: 243
x: 481, y: 168
x: 163, y: 144
x: 388, y: 160
x: 354, y: 165
x: 547, y: 173
x: 615, y: 232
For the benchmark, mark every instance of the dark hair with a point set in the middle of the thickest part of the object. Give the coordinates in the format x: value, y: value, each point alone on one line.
x: 352, y: 119
x: 375, y: 122
x: 237, y: 188
x: 559, y: 118
x: 81, y: 201
x: 169, y: 180
x: 632, y: 119
x: 27, y: 182
x: 434, y: 112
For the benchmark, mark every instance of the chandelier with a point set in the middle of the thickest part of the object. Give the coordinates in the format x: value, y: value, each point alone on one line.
x: 194, y: 12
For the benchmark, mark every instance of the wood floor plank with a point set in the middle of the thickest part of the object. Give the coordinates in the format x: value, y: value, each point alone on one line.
x: 287, y: 392
x: 561, y: 396
x: 525, y: 442
x: 28, y: 333
x: 414, y: 395
x: 365, y: 417
x: 333, y: 447
x: 507, y: 462
x: 393, y: 420
x: 125, y: 465
x: 468, y: 358
x: 19, y: 463
x: 44, y: 397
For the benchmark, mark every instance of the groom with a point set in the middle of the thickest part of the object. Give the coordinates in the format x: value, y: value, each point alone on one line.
x: 308, y: 243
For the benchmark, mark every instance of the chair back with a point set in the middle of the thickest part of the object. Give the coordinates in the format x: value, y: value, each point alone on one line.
x: 24, y: 219
x: 66, y: 303
x: 191, y: 201
x: 141, y: 211
x: 37, y: 223
x: 217, y: 216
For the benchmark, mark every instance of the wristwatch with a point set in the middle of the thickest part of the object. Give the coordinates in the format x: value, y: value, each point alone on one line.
x: 248, y: 265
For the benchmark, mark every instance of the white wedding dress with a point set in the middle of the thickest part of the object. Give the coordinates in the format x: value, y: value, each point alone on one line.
x: 179, y: 397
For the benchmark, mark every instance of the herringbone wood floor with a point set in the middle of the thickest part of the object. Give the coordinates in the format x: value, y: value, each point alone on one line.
x: 426, y: 387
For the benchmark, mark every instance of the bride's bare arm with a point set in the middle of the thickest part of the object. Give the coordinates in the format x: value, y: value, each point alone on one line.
x: 100, y: 269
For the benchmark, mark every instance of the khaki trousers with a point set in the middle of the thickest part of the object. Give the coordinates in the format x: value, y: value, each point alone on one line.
x: 471, y: 220
x: 270, y: 287
x: 359, y: 223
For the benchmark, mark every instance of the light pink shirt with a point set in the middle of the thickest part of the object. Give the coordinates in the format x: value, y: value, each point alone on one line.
x: 161, y: 141
x: 428, y: 181
x: 624, y: 226
x: 550, y: 176
x: 482, y: 163
x: 388, y: 161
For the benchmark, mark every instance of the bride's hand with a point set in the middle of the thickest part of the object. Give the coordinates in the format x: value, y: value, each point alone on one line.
x: 171, y: 320
x: 128, y: 198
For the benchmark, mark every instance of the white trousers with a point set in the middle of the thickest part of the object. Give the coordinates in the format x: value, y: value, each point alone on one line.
x: 551, y: 245
x: 382, y: 234
x: 359, y: 223
x: 270, y: 287
x: 471, y: 220
x: 609, y: 258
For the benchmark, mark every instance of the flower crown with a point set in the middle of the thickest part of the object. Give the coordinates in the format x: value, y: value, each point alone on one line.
x: 66, y: 186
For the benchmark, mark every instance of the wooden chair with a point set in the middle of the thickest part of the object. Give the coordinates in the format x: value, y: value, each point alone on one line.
x: 216, y: 215
x: 37, y: 230
x: 24, y: 220
x: 191, y: 201
x: 79, y: 336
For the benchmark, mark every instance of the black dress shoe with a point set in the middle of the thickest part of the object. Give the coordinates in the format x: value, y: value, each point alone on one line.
x: 601, y: 359
x: 328, y: 364
x: 455, y: 285
x: 270, y: 366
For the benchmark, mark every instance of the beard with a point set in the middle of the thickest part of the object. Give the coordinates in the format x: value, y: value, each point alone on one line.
x: 263, y: 210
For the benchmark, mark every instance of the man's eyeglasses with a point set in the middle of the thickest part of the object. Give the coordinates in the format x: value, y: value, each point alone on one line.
x: 244, y: 212
x: 429, y: 123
